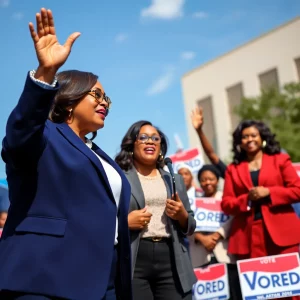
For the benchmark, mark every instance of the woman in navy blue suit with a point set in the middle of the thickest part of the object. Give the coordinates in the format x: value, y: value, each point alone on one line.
x: 66, y: 235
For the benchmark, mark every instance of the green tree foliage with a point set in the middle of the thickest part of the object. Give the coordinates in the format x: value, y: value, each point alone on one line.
x: 281, y: 111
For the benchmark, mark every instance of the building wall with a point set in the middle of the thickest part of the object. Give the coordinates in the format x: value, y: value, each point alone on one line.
x: 240, y: 72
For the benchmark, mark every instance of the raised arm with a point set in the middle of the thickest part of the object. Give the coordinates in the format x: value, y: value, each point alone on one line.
x: 197, y: 121
x: 25, y: 126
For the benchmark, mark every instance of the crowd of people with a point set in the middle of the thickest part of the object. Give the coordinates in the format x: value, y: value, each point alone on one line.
x: 261, y: 196
x: 84, y: 226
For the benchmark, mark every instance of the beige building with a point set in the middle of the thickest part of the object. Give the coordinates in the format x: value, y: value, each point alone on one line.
x: 219, y: 85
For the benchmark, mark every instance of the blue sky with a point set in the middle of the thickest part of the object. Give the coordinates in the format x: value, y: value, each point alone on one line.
x: 139, y: 48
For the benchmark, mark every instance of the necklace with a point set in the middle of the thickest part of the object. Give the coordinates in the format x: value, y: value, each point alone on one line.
x: 254, y: 166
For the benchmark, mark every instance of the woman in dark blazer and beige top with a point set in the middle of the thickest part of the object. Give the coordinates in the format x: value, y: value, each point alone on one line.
x: 160, y: 261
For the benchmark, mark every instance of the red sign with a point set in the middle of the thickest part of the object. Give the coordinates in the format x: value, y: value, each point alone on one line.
x: 192, y: 158
x: 297, y: 168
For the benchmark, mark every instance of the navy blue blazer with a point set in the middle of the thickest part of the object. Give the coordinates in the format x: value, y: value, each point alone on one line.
x: 59, y: 236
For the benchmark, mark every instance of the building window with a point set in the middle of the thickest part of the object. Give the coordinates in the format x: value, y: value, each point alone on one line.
x: 269, y: 80
x: 297, y: 62
x: 235, y: 94
x: 209, y: 124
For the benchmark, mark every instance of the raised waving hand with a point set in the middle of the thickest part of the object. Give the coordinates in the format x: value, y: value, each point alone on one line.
x: 50, y: 53
x: 197, y: 117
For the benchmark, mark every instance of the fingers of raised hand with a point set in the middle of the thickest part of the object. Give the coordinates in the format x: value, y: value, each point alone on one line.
x: 45, y: 21
x: 71, y: 39
x: 39, y: 25
x: 33, y: 34
x: 51, y: 22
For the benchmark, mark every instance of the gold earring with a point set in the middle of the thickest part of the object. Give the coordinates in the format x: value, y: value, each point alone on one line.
x: 264, y: 144
x: 160, y: 157
x: 131, y: 153
x: 70, y: 112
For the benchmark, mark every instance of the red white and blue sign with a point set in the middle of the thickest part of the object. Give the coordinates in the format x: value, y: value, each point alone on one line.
x: 297, y: 168
x: 212, y: 283
x: 192, y: 158
x: 270, y: 277
x: 209, y: 215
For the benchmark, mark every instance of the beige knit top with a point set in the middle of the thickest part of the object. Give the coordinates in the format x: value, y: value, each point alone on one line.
x: 155, y: 194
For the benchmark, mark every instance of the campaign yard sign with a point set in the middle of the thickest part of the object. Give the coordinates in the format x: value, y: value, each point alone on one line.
x: 208, y: 214
x: 212, y: 283
x: 297, y: 168
x: 270, y: 277
x: 192, y: 158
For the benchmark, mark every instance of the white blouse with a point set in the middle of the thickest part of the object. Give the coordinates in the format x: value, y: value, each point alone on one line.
x: 115, y: 182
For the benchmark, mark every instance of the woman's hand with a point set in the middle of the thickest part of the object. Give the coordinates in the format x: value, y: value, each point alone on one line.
x: 208, y: 241
x: 139, y: 219
x: 51, y: 55
x: 175, y: 209
x: 258, y: 193
x: 197, y: 118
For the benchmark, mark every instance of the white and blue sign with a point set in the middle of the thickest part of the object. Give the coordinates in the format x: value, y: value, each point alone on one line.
x: 209, y: 215
x: 270, y: 277
x: 212, y: 283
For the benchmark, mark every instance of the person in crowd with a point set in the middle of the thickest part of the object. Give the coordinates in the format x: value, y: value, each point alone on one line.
x: 187, y: 175
x: 197, y: 121
x: 192, y: 191
x: 158, y: 219
x: 260, y: 186
x: 66, y: 235
x: 208, y: 248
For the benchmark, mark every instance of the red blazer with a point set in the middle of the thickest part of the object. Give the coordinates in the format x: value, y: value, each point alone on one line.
x: 283, y: 225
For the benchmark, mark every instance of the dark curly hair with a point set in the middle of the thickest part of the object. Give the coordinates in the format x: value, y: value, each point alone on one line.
x: 272, y: 145
x: 124, y: 158
x: 74, y: 85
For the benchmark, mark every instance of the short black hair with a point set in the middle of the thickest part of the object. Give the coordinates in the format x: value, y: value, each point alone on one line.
x: 73, y: 86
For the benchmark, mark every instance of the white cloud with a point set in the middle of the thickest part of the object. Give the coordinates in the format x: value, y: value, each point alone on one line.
x: 200, y: 15
x: 188, y: 55
x: 18, y: 16
x: 4, y: 3
x: 164, y: 9
x: 162, y: 83
x: 121, y: 37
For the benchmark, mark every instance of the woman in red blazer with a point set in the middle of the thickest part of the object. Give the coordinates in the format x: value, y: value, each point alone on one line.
x: 260, y: 186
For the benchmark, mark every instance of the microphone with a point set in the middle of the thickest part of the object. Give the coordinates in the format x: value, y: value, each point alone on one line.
x: 168, y: 163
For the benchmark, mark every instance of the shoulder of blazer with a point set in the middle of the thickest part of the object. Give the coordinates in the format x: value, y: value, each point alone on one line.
x: 281, y: 157
x: 231, y: 167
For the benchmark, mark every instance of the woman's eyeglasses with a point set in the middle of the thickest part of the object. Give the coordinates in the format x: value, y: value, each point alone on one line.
x: 144, y: 138
x: 100, y: 97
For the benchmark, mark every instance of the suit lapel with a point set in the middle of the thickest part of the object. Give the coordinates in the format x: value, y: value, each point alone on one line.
x: 70, y: 135
x: 168, y: 181
x: 136, y: 187
x: 244, y: 174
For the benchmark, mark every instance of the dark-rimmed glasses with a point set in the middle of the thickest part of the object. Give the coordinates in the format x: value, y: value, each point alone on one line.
x: 100, y: 97
x: 144, y: 138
